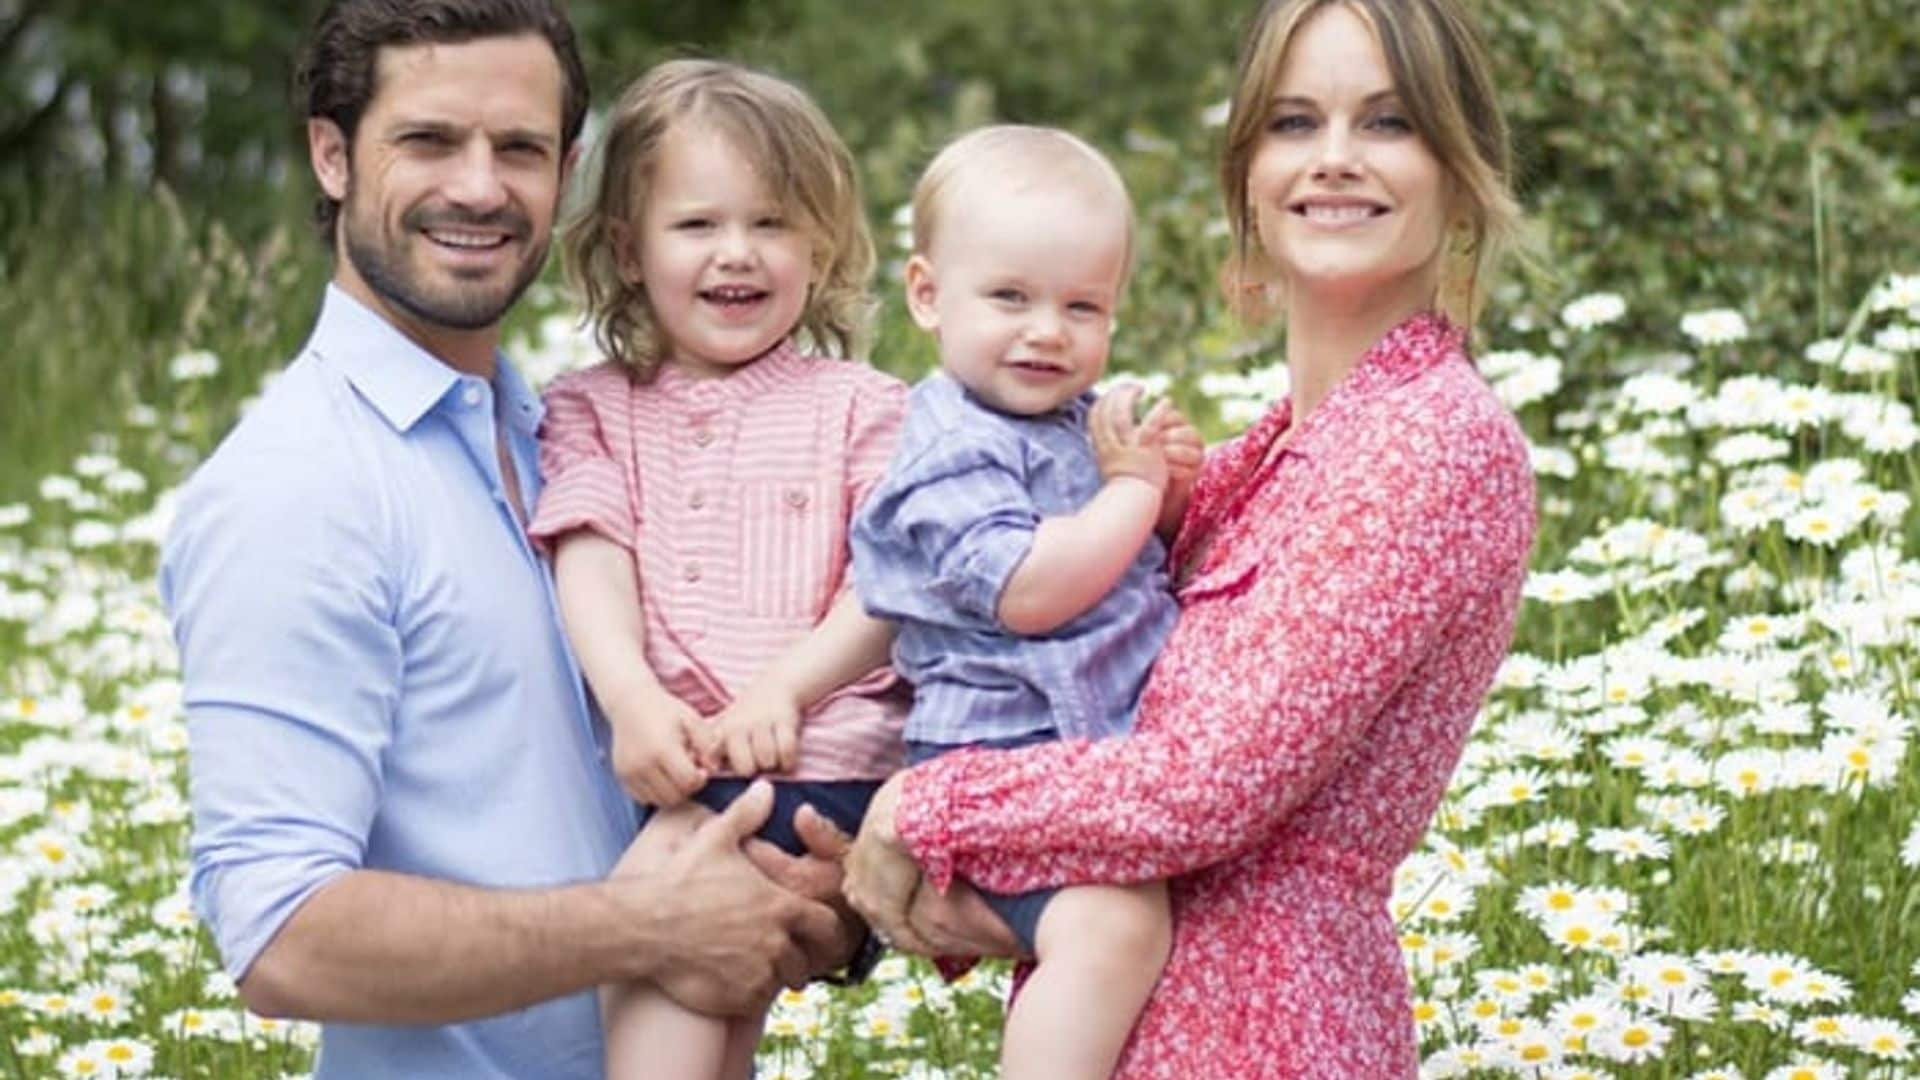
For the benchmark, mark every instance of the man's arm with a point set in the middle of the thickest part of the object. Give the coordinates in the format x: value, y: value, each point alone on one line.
x: 386, y: 948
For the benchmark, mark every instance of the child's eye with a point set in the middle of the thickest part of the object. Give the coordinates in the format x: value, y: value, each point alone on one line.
x: 770, y: 221
x: 1086, y: 307
x: 1008, y: 295
x: 692, y: 223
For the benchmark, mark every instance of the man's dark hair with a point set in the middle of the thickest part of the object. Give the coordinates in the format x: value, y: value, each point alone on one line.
x: 336, y: 76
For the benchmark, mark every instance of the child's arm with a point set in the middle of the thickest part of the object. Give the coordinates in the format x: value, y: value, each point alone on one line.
x: 657, y: 738
x: 1076, y: 559
x: 760, y: 731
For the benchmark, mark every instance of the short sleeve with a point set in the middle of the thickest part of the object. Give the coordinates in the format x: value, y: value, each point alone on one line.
x: 873, y: 430
x: 955, y: 521
x: 282, y: 603
x: 584, y: 486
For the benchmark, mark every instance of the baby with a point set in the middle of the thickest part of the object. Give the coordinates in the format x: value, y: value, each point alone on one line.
x: 1013, y: 539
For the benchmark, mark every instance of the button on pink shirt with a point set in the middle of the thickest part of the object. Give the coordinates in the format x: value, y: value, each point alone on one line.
x: 734, y: 494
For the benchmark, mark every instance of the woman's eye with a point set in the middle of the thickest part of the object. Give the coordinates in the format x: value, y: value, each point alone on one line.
x: 1290, y: 123
x: 1392, y: 122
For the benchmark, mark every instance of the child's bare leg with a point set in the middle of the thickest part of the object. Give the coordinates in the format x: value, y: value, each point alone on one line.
x: 1101, y: 948
x: 647, y: 1034
x: 743, y: 1039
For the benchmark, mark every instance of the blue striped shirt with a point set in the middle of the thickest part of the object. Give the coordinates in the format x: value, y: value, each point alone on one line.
x: 935, y: 545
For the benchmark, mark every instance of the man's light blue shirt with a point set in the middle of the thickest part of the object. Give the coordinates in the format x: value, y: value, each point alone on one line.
x: 937, y: 541
x: 375, y: 675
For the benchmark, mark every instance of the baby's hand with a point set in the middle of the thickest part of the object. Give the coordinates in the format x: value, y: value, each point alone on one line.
x: 1184, y: 447
x: 759, y: 732
x: 656, y: 749
x: 1123, y: 446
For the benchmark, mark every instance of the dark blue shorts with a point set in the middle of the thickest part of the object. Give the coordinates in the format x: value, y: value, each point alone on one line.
x: 1020, y: 911
x: 844, y: 802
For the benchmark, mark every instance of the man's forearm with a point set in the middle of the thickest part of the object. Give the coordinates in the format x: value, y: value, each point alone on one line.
x: 378, y: 947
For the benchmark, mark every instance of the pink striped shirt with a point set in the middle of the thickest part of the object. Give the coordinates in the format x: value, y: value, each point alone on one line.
x: 734, y: 495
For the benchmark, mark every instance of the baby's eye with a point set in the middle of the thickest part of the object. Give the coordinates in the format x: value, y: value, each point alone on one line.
x: 1008, y: 295
x: 1086, y: 307
x: 770, y: 221
x: 692, y: 223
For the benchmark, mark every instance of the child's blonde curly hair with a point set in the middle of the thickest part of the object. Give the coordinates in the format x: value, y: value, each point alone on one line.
x: 796, y: 152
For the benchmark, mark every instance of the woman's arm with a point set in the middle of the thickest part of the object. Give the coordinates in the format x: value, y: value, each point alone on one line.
x: 1238, y: 730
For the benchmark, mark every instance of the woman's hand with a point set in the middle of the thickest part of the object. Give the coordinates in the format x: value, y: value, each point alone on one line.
x: 882, y: 877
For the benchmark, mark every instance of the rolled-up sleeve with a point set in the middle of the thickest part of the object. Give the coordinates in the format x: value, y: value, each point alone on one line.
x: 962, y: 513
x: 282, y: 601
x: 585, y: 486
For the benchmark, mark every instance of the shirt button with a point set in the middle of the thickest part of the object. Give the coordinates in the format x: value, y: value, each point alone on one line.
x: 471, y: 395
x: 697, y: 500
x: 796, y: 498
x: 691, y: 571
x: 702, y: 437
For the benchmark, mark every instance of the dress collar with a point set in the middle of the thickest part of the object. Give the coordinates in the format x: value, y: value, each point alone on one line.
x: 1418, y: 344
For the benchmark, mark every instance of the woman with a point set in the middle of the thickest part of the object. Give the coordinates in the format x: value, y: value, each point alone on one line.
x: 1348, y: 574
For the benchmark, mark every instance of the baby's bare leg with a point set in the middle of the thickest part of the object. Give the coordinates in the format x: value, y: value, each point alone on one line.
x: 1101, y: 948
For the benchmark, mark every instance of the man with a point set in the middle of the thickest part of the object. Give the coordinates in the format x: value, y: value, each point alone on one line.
x: 402, y: 810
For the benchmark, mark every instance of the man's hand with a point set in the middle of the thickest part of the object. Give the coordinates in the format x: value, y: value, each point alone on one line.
x: 1123, y: 446
x: 657, y: 745
x: 733, y: 937
x: 759, y: 732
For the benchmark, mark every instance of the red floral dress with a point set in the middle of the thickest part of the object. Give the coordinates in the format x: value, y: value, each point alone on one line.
x: 1352, y: 599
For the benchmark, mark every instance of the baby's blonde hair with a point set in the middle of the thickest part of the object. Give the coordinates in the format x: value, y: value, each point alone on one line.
x: 1017, y: 154
x: 792, y: 147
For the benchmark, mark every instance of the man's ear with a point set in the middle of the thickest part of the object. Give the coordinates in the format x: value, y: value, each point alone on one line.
x: 922, y: 291
x: 330, y: 155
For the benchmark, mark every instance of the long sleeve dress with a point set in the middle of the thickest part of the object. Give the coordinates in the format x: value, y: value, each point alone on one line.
x: 1349, y: 600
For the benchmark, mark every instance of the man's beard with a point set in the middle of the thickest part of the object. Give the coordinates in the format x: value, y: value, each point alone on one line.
x: 460, y: 306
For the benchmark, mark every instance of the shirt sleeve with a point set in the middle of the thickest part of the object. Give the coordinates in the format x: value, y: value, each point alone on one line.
x: 281, y: 600
x: 873, y: 429
x: 961, y: 512
x: 584, y: 486
x: 1318, y: 644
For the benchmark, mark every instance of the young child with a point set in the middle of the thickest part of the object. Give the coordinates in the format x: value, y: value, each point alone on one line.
x: 700, y: 483
x: 1013, y: 539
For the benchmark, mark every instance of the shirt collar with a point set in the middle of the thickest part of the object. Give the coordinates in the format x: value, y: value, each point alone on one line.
x: 776, y: 366
x: 401, y: 380
x: 1417, y: 345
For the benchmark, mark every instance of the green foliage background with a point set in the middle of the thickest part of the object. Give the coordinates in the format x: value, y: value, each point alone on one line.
x: 1743, y: 153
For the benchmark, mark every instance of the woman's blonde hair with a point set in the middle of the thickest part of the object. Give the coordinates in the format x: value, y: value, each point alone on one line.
x: 796, y: 153
x: 1011, y: 154
x: 1440, y: 69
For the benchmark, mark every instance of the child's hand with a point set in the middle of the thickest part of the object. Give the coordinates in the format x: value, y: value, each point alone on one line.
x: 1185, y: 451
x: 759, y: 732
x: 1124, y: 447
x: 657, y: 746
